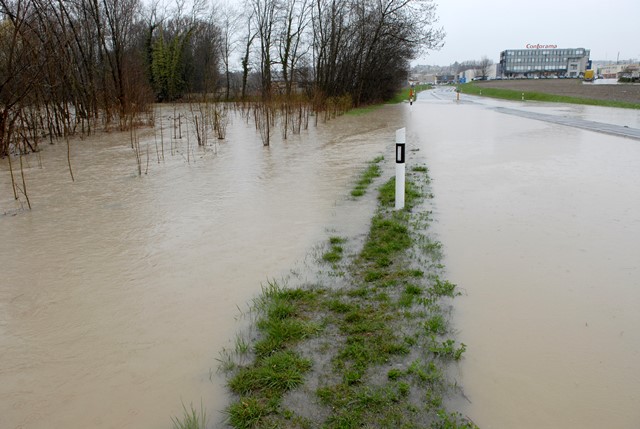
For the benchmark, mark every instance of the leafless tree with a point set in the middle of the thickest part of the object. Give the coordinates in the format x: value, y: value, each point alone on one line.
x: 264, y: 15
x: 248, y: 39
x: 363, y: 48
x: 229, y: 20
x: 483, y: 67
x: 294, y: 20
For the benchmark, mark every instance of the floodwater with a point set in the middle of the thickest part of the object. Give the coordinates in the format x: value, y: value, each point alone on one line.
x: 118, y: 292
x: 541, y: 226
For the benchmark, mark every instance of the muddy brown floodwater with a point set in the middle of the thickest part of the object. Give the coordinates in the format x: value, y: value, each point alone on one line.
x: 541, y: 226
x: 118, y: 292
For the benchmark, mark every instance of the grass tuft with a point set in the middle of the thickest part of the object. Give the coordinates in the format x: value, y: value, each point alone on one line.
x: 191, y: 419
x: 443, y: 288
x: 367, y: 177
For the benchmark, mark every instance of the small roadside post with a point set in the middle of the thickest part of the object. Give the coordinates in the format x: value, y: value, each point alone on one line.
x: 400, y: 167
x: 411, y: 93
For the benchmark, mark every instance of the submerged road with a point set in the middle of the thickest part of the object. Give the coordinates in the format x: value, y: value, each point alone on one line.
x: 615, y: 130
x: 448, y: 93
x: 538, y: 210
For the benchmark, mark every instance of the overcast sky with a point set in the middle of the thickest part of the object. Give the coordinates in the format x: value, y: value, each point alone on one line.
x: 477, y: 28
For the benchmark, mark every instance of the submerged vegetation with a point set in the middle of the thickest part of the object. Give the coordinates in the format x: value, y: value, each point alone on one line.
x: 335, y: 253
x: 72, y: 67
x: 75, y: 67
x: 367, y: 177
x: 367, y: 347
x: 191, y: 418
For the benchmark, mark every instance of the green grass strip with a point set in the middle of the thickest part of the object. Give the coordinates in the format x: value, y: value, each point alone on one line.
x: 368, y: 350
x: 367, y: 177
x: 510, y: 94
x: 403, y: 95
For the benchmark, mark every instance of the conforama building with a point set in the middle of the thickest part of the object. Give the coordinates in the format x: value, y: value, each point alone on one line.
x: 544, y: 61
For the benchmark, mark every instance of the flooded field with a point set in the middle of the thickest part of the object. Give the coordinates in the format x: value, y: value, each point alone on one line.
x: 118, y: 292
x: 541, y: 225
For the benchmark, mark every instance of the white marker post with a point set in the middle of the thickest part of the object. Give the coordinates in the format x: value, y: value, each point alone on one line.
x: 400, y: 153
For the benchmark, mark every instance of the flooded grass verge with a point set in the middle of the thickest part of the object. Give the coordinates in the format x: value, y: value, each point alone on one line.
x: 400, y: 97
x: 367, y: 346
x: 366, y: 178
x: 404, y: 94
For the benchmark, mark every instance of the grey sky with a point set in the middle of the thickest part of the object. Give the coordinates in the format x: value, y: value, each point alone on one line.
x: 477, y: 28
x: 484, y: 28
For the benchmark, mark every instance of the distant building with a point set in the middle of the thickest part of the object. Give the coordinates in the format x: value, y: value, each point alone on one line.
x: 615, y: 71
x: 476, y: 74
x: 540, y: 61
x: 445, y: 79
x: 610, y: 71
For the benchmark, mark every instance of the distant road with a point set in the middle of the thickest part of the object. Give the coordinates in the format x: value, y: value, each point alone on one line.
x: 616, y: 130
x: 447, y: 93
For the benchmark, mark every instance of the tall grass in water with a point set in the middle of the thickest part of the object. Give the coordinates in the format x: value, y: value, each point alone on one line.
x: 367, y: 177
x: 191, y: 418
x: 369, y: 349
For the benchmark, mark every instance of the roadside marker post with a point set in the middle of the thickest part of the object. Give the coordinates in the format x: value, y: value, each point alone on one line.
x: 400, y: 167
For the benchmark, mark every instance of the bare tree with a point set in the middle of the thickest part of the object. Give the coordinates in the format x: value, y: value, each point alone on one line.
x: 483, y: 67
x: 264, y: 15
x: 363, y: 48
x: 21, y: 67
x: 294, y: 20
x: 229, y: 22
x: 118, y: 17
x: 329, y: 18
x: 249, y: 37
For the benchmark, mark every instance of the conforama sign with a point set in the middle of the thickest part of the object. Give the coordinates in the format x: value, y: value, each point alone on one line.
x: 530, y: 46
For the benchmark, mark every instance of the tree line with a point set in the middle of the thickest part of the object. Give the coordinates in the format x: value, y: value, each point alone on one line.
x: 74, y: 66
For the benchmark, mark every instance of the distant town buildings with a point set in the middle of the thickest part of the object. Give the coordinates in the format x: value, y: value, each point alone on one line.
x: 610, y: 71
x: 625, y: 71
x: 488, y: 73
x: 540, y: 61
x: 536, y: 61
